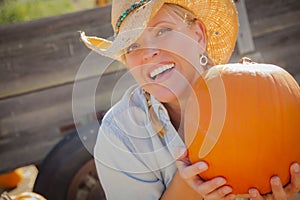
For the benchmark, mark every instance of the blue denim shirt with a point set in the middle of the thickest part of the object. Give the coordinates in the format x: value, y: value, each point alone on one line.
x: 132, y: 161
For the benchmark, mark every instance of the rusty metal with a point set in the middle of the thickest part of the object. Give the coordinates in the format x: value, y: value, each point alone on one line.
x: 85, y: 184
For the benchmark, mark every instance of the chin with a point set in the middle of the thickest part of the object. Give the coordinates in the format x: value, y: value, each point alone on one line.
x: 165, y: 98
x: 163, y: 94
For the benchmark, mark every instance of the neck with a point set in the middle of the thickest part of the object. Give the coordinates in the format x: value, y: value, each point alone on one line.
x: 177, y: 106
x: 176, y: 112
x: 176, y: 109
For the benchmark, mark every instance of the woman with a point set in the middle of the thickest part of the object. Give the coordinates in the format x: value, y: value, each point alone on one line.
x: 166, y: 45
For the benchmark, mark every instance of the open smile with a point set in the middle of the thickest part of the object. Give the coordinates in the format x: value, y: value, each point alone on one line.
x: 161, y: 70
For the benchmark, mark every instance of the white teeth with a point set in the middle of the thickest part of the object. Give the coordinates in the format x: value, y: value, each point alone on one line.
x: 160, y: 70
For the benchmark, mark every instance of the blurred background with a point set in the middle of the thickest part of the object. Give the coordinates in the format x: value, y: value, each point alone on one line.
x: 40, y: 55
x: 12, y: 11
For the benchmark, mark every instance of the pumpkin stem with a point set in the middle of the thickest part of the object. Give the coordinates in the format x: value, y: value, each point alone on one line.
x: 246, y: 60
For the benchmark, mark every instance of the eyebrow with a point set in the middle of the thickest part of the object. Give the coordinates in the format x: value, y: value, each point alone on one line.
x: 160, y: 22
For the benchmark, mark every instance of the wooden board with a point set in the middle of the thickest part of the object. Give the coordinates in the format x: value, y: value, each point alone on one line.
x: 31, y: 124
x: 267, y: 9
x: 47, y: 52
x: 245, y: 40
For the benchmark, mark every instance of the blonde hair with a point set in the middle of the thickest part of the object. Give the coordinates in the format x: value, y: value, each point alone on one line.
x: 189, y: 18
x: 156, y: 125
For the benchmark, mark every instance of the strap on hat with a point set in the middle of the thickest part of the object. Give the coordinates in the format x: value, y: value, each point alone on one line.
x: 127, y: 12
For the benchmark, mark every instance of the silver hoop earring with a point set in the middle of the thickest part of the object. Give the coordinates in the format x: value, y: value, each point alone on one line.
x: 203, y: 60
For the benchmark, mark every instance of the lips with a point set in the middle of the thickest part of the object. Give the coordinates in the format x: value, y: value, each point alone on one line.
x: 162, y: 68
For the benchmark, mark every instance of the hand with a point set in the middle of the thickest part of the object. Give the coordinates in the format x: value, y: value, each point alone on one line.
x: 209, y: 190
x: 278, y: 192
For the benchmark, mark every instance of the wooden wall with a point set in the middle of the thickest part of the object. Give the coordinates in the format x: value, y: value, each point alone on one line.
x: 39, y: 61
x: 38, y: 65
x: 275, y: 26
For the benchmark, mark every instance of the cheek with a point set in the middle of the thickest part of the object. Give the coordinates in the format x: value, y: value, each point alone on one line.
x: 132, y: 60
x: 133, y: 68
x: 136, y: 72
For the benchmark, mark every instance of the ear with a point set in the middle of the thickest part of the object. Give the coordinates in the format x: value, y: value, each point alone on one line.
x: 201, y: 33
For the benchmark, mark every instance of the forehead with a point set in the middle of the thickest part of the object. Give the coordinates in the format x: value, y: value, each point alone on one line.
x: 165, y: 14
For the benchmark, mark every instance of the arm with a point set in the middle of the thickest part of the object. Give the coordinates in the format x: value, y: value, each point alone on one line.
x: 186, y: 184
x: 123, y: 175
x: 179, y: 189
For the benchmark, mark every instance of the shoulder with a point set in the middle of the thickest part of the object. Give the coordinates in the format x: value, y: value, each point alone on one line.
x: 124, y: 134
x: 127, y: 123
x: 131, y: 109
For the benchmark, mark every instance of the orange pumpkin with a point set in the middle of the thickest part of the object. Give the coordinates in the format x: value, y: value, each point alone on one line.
x: 23, y: 196
x: 244, y: 121
x: 11, y: 179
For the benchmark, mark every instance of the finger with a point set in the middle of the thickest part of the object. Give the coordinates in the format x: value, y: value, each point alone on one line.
x: 209, y: 186
x: 277, y: 189
x: 219, y: 193
x: 294, y: 186
x: 295, y: 177
x: 230, y: 197
x: 189, y: 171
x: 254, y: 194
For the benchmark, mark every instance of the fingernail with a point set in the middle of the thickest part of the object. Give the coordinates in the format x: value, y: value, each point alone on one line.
x: 252, y: 193
x: 276, y: 181
x: 219, y: 181
x: 296, y: 168
x: 227, y: 190
x: 202, y: 166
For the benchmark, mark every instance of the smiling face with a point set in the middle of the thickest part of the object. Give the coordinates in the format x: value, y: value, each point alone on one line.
x: 165, y: 59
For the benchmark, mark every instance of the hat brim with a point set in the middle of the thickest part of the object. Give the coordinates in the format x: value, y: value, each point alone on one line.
x: 131, y: 30
x: 95, y: 43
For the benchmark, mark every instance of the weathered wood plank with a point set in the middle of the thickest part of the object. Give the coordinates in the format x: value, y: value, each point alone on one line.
x: 264, y: 26
x: 52, y: 108
x: 258, y: 10
x: 280, y: 48
x: 244, y: 40
x: 31, y: 124
x: 47, y: 52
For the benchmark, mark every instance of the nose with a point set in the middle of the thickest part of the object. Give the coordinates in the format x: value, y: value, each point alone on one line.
x: 150, y: 53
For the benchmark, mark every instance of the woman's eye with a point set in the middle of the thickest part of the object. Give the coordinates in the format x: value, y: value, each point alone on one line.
x: 132, y: 47
x: 162, y: 31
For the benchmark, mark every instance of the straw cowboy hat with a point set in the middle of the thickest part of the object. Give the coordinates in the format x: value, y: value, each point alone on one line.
x: 130, y: 17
